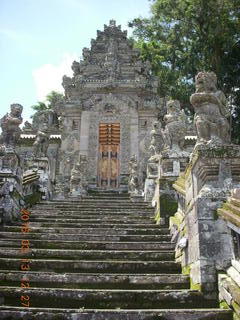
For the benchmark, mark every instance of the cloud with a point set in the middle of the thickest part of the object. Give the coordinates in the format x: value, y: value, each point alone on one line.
x: 15, y: 35
x: 48, y: 77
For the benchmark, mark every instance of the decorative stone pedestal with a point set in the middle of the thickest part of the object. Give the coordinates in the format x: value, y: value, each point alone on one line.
x: 210, y: 175
x: 171, y: 164
x: 10, y: 184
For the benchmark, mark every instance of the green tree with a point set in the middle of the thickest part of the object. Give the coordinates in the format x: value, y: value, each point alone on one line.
x: 51, y: 100
x: 183, y: 37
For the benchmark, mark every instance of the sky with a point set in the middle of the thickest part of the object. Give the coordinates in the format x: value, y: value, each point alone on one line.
x: 39, y: 40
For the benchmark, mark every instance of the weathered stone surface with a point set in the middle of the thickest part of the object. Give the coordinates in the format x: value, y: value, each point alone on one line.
x: 211, y: 110
x: 10, y: 126
x: 128, y: 271
x: 159, y: 314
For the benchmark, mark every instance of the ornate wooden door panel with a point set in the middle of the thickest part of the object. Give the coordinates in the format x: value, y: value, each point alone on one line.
x: 108, y: 164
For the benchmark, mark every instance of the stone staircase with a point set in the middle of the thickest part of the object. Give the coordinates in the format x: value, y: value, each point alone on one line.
x: 101, y: 258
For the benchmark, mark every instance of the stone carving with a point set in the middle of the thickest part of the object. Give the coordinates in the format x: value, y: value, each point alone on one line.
x: 175, y: 129
x: 157, y: 141
x: 75, y: 68
x: 9, y: 160
x: 41, y: 143
x: 7, y: 203
x: 10, y: 125
x: 44, y: 122
x: 110, y: 61
x: 75, y: 179
x: 27, y: 127
x: 78, y: 180
x: 133, y: 184
x: 67, y: 84
x: 211, y: 111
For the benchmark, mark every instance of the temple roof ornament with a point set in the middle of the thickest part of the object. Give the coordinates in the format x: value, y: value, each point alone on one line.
x: 111, y: 62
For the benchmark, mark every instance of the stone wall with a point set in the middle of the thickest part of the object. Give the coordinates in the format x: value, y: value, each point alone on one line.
x: 229, y: 282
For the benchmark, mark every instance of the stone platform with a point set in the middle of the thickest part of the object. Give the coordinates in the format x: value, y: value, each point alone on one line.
x: 99, y: 258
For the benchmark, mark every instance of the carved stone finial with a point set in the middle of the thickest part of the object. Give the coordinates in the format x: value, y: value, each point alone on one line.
x: 75, y: 68
x: 10, y: 125
x: 211, y: 111
x: 112, y: 23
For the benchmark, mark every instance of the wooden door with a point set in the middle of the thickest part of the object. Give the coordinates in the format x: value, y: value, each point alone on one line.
x: 108, y: 163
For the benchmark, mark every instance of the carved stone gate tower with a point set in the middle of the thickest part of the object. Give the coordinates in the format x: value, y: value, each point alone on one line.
x: 111, y: 102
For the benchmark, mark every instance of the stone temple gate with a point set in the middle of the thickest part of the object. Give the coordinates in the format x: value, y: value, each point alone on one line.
x: 110, y: 104
x: 112, y: 132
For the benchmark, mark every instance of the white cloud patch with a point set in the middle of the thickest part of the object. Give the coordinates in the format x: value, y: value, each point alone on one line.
x: 48, y: 77
x: 15, y: 35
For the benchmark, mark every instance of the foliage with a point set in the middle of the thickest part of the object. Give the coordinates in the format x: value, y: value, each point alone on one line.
x: 51, y: 100
x: 183, y: 37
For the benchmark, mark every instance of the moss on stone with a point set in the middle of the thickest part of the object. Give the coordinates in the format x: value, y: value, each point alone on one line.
x: 186, y: 270
x: 223, y: 305
x: 195, y: 286
x: 168, y: 206
x: 32, y: 198
x: 236, y: 308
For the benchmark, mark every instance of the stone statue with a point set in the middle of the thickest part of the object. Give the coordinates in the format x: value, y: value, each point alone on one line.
x: 175, y: 129
x: 157, y: 140
x: 10, y: 125
x: 75, y: 178
x: 40, y: 146
x: 78, y: 180
x: 133, y: 183
x: 211, y: 110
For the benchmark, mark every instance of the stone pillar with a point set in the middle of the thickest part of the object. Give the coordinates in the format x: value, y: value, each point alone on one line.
x: 208, y: 179
x: 134, y: 134
x: 84, y: 133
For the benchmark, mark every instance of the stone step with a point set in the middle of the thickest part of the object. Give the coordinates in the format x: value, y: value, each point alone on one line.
x: 96, y: 226
x: 84, y: 237
x: 99, y: 215
x: 92, y: 204
x: 96, y: 220
x: 235, y: 202
x: 101, y: 266
x: 97, y: 207
x: 89, y: 245
x: 95, y: 281
x: 16, y: 313
x: 99, y: 258
x: 99, y: 231
x: 114, y: 212
x: 107, y: 204
x: 106, y: 298
x: 88, y: 254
